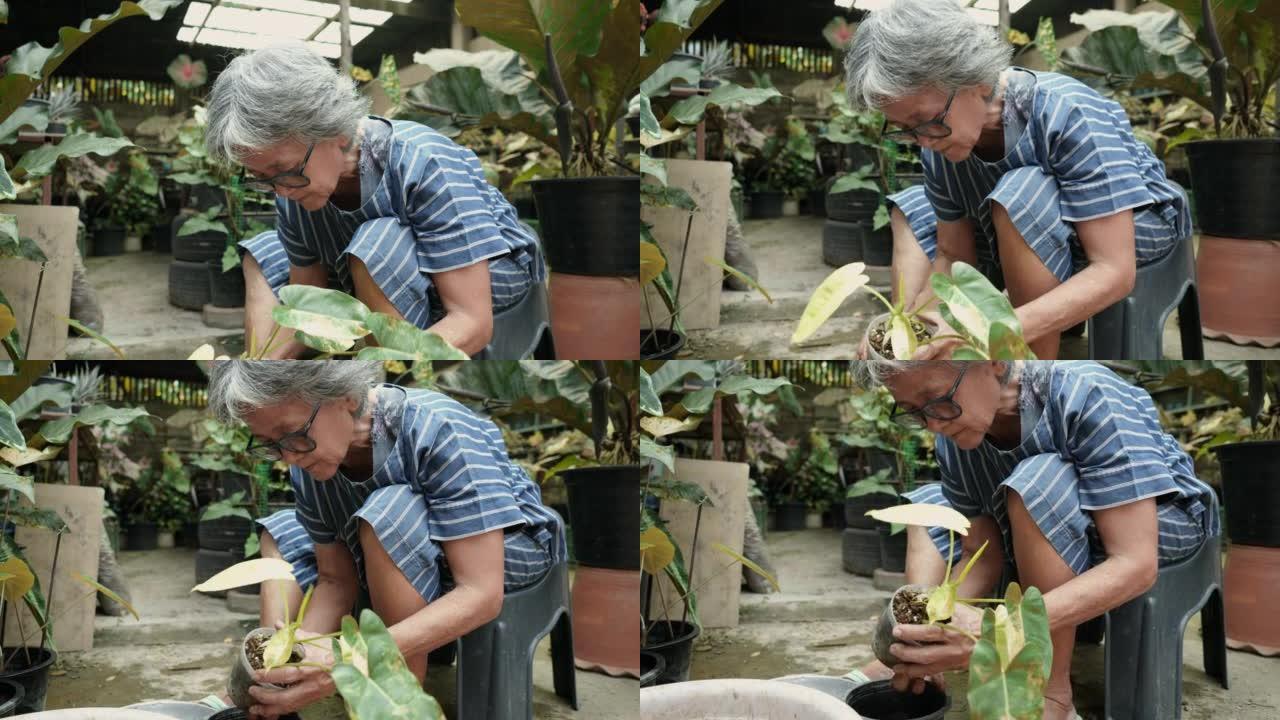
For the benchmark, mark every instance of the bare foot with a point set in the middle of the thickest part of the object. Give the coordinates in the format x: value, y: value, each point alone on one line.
x: 877, y: 670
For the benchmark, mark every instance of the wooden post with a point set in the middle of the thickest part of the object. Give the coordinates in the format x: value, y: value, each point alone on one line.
x: 344, y: 20
x: 717, y: 430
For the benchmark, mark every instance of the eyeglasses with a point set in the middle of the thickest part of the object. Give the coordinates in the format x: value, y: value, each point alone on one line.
x: 940, y: 408
x: 934, y: 128
x: 292, y: 179
x: 295, y: 442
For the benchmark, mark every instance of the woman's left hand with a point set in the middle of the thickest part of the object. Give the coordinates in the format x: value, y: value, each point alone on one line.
x: 942, y: 649
x: 305, y: 685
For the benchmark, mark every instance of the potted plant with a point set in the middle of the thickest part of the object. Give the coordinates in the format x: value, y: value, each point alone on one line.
x: 167, y: 504
x: 1221, y: 56
x: 131, y: 204
x: 64, y: 108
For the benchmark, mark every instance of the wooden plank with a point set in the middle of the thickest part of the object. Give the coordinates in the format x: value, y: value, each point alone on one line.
x: 73, y: 606
x: 723, y: 521
x: 54, y: 229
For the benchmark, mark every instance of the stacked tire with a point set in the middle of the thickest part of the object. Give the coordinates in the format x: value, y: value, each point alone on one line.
x: 848, y: 234
x: 189, y: 269
x: 221, y: 544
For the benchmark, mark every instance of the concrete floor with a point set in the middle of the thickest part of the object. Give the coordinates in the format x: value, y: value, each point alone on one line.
x: 182, y: 648
x: 822, y: 623
x: 133, y: 290
x: 788, y: 253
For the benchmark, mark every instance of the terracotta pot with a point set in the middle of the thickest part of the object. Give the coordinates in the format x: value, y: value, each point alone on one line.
x: 1249, y: 582
x: 606, y: 628
x: 595, y: 318
x: 883, y: 636
x: 1238, y: 301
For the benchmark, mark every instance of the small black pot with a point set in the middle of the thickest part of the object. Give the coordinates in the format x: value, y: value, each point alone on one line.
x: 674, y: 642
x: 226, y: 289
x: 652, y: 665
x: 32, y: 675
x: 141, y: 535
x: 11, y: 694
x: 602, y: 512
x: 878, y: 700
x: 817, y: 200
x: 1251, y: 491
x: 109, y: 241
x: 190, y: 536
x: 790, y: 515
x: 767, y: 204
x: 589, y: 225
x: 1235, y: 183
x: 855, y: 509
x: 660, y: 344
x: 893, y: 549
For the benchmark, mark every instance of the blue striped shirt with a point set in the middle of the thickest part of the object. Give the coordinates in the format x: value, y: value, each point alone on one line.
x: 1108, y: 429
x: 1077, y: 136
x: 456, y: 460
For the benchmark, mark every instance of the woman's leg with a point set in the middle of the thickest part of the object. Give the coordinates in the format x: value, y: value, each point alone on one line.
x: 909, y: 260
x: 394, y: 598
x: 1025, y: 275
x: 276, y: 595
x: 1040, y: 565
x: 259, y: 301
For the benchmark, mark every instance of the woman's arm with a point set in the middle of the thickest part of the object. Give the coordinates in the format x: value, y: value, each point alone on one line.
x: 477, y: 566
x: 1129, y: 533
x: 335, y: 591
x: 1108, y: 242
x: 284, y: 346
x: 468, y: 305
x: 955, y: 242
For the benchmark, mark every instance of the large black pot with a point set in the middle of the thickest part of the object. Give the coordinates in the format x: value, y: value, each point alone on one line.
x: 203, y: 246
x: 1235, y: 185
x: 11, y: 694
x: 877, y: 700
x: 790, y: 515
x: 652, y: 665
x: 108, y: 241
x: 30, y: 669
x: 893, y: 549
x: 226, y: 289
x: 855, y: 509
x: 602, y: 512
x: 589, y: 225
x: 1251, y: 491
x: 674, y: 642
x: 660, y: 344
x: 141, y: 535
x: 767, y: 204
x: 853, y: 205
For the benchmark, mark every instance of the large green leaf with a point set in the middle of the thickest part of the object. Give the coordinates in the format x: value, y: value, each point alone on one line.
x: 57, y: 432
x: 326, y: 320
x: 682, y: 68
x: 199, y: 223
x: 10, y: 480
x: 1144, y: 50
x: 37, y: 517
x: 970, y: 303
x: 36, y: 118
x: 488, y: 88
x: 1006, y: 343
x: 385, y: 688
x: 574, y: 27
x: 29, y: 403
x: 409, y: 341
x: 1010, y: 663
x: 690, y: 110
x: 10, y: 435
x: 650, y: 403
x: 32, y: 63
x: 524, y: 388
x: 839, y: 285
x: 613, y: 73
x: 41, y: 161
x: 675, y: 22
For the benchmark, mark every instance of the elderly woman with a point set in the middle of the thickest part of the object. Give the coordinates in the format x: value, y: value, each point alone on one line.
x: 1065, y: 469
x: 403, y: 493
x: 1032, y: 177
x: 391, y: 212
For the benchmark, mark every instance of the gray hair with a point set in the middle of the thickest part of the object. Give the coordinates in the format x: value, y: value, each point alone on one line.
x: 278, y: 93
x: 238, y: 387
x: 874, y: 371
x: 912, y: 45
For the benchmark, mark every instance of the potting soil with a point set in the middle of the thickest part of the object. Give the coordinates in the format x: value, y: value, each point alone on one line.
x: 879, y: 339
x: 253, y: 649
x: 909, y: 607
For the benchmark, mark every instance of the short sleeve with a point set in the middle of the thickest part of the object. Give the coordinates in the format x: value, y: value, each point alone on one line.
x: 1097, y: 172
x: 450, y: 210
x: 1119, y: 458
x: 289, y: 230
x: 307, y: 507
x: 946, y: 207
x: 954, y: 487
x: 463, y: 482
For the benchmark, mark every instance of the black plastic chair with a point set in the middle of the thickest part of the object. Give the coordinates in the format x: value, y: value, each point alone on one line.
x: 522, y: 331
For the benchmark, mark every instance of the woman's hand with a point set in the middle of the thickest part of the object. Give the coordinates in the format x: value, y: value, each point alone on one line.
x: 943, y: 649
x: 303, y: 685
x: 937, y: 349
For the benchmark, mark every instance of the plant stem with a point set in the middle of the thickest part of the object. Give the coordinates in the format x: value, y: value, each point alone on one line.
x: 693, y: 557
x: 57, y: 547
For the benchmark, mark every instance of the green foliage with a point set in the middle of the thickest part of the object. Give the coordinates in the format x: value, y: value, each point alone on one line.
x: 1011, y: 661
x: 132, y: 196
x: 982, y: 315
x: 58, y: 431
x: 331, y: 321
x: 788, y: 161
x: 372, y: 676
x: 490, y: 88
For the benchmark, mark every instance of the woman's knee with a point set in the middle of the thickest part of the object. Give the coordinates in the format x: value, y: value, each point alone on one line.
x: 267, y: 545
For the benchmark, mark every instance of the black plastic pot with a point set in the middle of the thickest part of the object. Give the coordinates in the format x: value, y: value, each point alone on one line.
x: 190, y: 536
x: 203, y: 197
x: 212, y: 562
x: 11, y: 694
x: 141, y: 535
x: 589, y: 225
x: 855, y: 509
x: 1251, y: 491
x: 817, y: 200
x: 234, y: 482
x: 652, y: 665
x: 226, y: 289
x: 224, y: 533
x: 188, y: 284
x: 108, y: 241
x: 790, y: 515
x: 842, y: 242
x: 893, y: 549
x: 852, y: 206
x: 878, y: 460
x: 860, y: 550
x: 877, y: 247
x: 198, y: 247
x: 674, y: 642
x: 1235, y: 186
x: 660, y: 344
x: 29, y: 669
x: 767, y: 204
x: 877, y: 700
x: 602, y: 512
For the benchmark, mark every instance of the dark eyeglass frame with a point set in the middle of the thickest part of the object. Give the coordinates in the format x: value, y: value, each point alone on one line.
x: 917, y: 131
x: 916, y: 417
x: 276, y: 450
x: 271, y: 183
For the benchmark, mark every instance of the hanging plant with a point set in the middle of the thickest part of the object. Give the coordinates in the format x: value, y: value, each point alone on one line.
x: 187, y: 73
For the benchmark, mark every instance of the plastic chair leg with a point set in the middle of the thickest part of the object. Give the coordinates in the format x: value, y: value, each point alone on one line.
x: 562, y: 668
x: 474, y: 681
x: 1189, y: 325
x: 1213, y: 624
